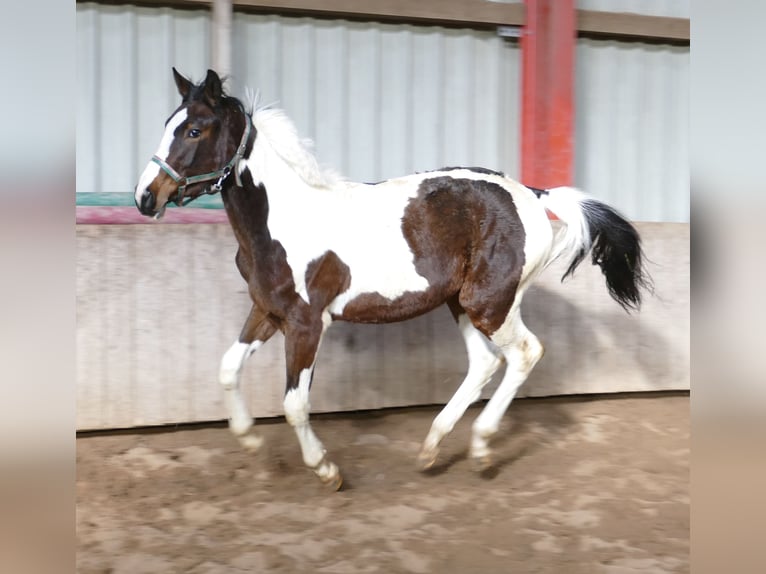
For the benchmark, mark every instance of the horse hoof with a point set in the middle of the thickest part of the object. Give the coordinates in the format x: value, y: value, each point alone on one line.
x: 251, y: 442
x: 483, y: 463
x: 427, y: 458
x: 335, y: 482
x: 329, y: 474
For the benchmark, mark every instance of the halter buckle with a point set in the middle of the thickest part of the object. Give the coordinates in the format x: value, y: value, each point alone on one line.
x: 180, y: 195
x: 218, y: 185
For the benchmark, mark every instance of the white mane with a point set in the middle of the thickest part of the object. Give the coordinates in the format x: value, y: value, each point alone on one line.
x: 279, y: 132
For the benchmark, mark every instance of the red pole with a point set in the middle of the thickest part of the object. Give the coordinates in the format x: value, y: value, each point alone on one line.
x: 547, y: 120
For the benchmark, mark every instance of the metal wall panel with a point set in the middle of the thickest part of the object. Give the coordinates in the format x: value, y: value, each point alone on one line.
x: 670, y: 8
x: 383, y: 100
x: 380, y: 100
x: 632, y: 127
x: 125, y: 90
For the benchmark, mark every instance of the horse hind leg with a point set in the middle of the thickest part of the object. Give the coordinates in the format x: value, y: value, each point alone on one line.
x: 522, y: 350
x: 483, y: 361
x: 256, y: 331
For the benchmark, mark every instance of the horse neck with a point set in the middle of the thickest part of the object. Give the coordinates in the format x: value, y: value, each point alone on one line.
x: 272, y: 190
x: 247, y: 208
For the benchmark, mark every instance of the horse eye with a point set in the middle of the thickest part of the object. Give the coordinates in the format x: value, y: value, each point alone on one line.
x: 194, y: 133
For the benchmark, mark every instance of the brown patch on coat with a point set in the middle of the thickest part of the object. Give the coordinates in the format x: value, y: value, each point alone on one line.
x: 374, y: 308
x: 468, y: 241
x: 435, y: 226
x: 257, y: 327
x: 326, y: 278
x: 262, y: 260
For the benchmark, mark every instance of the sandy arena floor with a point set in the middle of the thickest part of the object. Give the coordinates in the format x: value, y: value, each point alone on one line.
x: 582, y: 485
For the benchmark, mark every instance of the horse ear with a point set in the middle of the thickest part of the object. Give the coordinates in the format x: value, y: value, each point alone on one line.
x: 213, y: 88
x: 184, y: 86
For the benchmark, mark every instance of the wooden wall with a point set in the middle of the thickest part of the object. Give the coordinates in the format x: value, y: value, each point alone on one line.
x: 157, y: 306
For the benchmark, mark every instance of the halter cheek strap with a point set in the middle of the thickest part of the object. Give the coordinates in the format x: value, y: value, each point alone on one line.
x: 219, y: 175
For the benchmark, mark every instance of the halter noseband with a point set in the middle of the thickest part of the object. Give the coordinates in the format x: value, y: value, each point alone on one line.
x: 219, y: 175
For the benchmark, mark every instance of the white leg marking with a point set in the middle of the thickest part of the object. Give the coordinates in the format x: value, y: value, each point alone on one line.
x: 296, y: 403
x: 240, y: 419
x: 152, y: 169
x: 482, y: 364
x: 232, y: 361
x: 297, y: 409
x: 521, y: 353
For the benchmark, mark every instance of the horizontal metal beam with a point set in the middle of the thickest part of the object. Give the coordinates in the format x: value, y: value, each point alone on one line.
x: 470, y: 12
x: 466, y: 13
x: 627, y: 25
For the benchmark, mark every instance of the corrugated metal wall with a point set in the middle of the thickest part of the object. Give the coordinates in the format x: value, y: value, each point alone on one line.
x: 632, y: 127
x: 380, y: 100
x: 125, y: 87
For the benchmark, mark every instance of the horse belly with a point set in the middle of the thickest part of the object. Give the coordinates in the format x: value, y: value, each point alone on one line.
x: 372, y: 307
x: 398, y: 279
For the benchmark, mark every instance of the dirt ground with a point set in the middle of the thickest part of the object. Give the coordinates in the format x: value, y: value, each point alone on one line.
x: 581, y: 485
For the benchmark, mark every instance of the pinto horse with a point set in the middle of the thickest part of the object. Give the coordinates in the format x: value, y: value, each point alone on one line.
x: 315, y: 248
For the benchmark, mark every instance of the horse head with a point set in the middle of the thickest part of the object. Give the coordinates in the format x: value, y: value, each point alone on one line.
x: 204, y: 140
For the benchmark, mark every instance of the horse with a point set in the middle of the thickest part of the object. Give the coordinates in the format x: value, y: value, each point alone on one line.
x: 315, y: 248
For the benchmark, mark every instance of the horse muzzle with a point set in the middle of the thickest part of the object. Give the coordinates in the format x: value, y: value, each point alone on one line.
x: 146, y: 203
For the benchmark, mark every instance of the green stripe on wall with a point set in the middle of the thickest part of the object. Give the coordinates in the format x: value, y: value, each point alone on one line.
x: 122, y: 199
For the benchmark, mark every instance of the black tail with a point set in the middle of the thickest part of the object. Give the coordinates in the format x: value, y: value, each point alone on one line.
x: 616, y: 248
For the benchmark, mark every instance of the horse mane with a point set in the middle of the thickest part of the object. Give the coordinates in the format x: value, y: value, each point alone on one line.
x: 280, y: 133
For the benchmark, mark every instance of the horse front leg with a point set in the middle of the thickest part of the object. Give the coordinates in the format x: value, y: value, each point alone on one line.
x: 303, y: 335
x: 256, y: 331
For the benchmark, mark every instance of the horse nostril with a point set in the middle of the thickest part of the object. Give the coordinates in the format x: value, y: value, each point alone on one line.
x: 147, y: 202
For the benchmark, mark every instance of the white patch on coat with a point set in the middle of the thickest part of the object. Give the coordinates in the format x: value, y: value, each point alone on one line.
x: 313, y: 211
x: 152, y: 170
